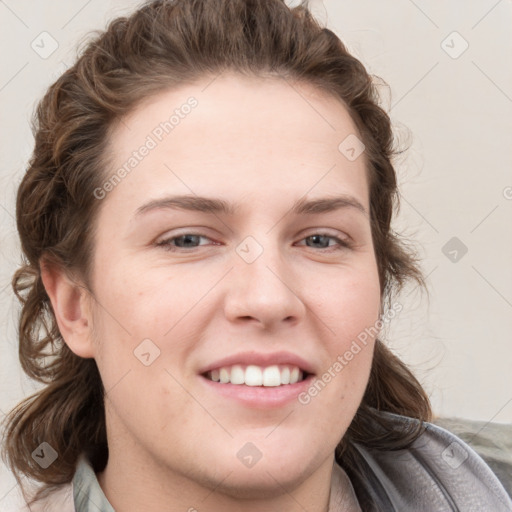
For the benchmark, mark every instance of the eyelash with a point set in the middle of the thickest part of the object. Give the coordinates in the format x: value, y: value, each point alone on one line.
x: 166, y: 244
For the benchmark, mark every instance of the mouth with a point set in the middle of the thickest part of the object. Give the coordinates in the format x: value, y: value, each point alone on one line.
x: 258, y: 380
x: 257, y: 376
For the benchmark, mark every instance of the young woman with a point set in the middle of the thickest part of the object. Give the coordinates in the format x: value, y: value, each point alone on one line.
x: 209, y: 262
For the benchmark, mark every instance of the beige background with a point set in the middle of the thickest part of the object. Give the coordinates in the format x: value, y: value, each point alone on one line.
x: 449, y: 68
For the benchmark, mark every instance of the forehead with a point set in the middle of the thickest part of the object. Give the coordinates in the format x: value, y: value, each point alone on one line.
x: 237, y: 133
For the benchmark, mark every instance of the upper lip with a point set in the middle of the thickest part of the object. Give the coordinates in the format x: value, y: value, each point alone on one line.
x: 260, y: 359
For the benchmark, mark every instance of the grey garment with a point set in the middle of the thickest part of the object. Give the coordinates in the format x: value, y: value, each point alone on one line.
x: 492, y: 441
x: 439, y: 472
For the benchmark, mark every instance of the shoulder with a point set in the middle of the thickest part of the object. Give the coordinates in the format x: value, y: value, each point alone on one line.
x: 59, y: 499
x: 439, y: 471
x: 82, y: 494
x: 492, y: 441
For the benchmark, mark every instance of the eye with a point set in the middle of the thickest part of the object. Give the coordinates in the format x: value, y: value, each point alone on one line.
x: 185, y: 241
x: 324, y: 239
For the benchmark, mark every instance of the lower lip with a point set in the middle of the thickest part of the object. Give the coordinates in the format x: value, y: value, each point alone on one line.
x: 260, y: 396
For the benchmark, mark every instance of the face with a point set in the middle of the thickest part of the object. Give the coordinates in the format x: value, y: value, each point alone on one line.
x: 184, y: 287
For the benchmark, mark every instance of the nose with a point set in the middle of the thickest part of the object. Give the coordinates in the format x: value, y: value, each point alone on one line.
x: 265, y: 291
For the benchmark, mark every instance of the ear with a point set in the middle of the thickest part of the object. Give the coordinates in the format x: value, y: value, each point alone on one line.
x: 71, y: 308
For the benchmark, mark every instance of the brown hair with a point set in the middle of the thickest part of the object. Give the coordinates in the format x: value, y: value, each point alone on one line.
x: 162, y: 45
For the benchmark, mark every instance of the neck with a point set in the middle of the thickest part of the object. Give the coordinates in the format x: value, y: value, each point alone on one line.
x: 155, y: 489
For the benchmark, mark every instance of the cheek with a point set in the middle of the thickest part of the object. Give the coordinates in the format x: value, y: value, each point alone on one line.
x: 349, y: 307
x: 135, y: 303
x: 143, y: 326
x: 348, y: 302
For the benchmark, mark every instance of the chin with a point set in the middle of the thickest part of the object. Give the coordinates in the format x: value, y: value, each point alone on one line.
x: 263, y: 481
x: 260, y: 465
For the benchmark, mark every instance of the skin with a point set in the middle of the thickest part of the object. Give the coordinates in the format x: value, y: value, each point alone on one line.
x: 172, y: 442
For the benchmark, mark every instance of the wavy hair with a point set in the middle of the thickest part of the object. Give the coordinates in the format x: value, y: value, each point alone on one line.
x: 166, y: 44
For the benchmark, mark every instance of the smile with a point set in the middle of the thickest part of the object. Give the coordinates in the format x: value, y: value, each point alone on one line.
x: 252, y: 375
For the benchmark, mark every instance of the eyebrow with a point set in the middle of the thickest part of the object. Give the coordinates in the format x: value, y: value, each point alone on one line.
x: 220, y: 206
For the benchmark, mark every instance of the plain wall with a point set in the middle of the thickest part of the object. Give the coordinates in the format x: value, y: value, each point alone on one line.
x: 451, y: 104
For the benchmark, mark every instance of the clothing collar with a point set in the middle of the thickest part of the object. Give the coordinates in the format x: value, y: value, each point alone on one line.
x: 87, y: 492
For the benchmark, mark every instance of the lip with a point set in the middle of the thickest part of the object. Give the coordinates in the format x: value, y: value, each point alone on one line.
x: 259, y: 396
x: 261, y: 359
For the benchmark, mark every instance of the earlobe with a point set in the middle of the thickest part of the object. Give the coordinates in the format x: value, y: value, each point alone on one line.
x: 70, y: 306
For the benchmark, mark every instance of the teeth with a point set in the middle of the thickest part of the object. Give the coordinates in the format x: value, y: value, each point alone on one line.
x: 224, y: 375
x: 285, y: 375
x: 271, y: 376
x: 252, y: 375
x: 237, y: 375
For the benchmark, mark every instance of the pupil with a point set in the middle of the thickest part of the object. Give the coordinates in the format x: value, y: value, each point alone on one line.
x: 187, y: 239
x: 316, y: 238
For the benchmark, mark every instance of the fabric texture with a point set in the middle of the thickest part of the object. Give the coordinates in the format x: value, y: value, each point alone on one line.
x: 492, y: 441
x: 438, y: 473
